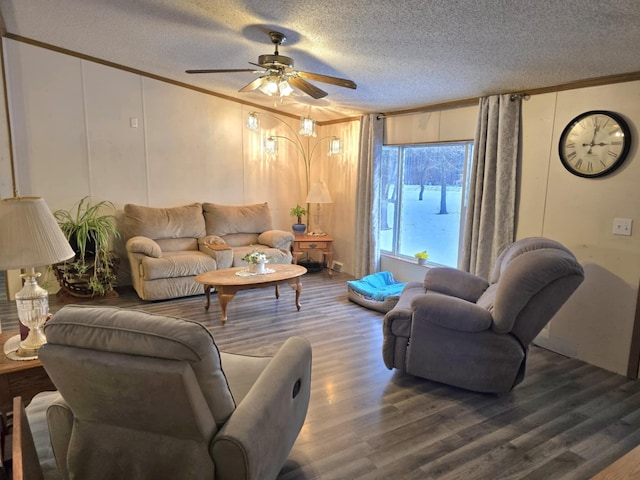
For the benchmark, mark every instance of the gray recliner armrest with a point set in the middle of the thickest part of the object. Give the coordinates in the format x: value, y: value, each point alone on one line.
x: 450, y: 312
x: 457, y: 283
x: 60, y: 420
x: 258, y: 436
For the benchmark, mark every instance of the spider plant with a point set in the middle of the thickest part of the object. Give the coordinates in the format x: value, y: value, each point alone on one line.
x: 89, y: 232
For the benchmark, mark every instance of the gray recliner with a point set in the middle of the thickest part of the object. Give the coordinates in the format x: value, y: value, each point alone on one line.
x: 145, y: 396
x: 460, y: 329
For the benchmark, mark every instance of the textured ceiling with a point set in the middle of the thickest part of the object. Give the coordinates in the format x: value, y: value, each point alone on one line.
x: 402, y: 54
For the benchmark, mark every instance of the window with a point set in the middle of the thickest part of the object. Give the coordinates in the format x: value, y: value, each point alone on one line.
x: 423, y: 193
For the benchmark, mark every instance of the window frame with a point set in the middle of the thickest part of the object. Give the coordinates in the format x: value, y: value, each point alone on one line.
x: 398, y: 186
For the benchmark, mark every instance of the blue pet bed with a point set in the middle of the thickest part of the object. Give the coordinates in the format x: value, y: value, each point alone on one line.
x: 378, y: 291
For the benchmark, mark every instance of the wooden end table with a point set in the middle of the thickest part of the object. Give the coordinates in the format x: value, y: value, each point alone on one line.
x: 303, y: 244
x: 20, y: 378
x: 227, y: 283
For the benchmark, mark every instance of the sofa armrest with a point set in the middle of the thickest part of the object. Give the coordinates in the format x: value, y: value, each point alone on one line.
x: 144, y: 246
x: 257, y: 439
x: 217, y: 248
x: 276, y: 239
x: 458, y: 283
x: 450, y: 312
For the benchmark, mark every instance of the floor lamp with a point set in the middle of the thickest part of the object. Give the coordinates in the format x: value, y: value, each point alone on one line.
x: 30, y: 237
x: 318, y: 194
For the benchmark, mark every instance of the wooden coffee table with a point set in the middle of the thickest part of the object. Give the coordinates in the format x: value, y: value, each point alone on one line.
x: 228, y: 283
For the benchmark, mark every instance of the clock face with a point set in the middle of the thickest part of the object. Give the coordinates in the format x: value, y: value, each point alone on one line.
x: 594, y: 144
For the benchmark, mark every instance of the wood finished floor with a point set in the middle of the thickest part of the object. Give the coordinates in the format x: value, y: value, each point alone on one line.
x: 567, y: 420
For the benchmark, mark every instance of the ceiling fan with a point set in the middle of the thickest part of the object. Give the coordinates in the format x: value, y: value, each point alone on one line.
x: 279, y: 74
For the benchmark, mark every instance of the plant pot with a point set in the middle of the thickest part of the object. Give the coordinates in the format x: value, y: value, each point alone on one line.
x: 257, y: 268
x: 298, y: 228
x: 422, y: 261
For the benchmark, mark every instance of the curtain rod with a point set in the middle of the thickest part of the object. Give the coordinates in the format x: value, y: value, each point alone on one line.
x: 446, y: 105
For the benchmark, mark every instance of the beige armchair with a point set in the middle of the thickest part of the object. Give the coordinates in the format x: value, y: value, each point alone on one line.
x: 149, y: 397
x: 460, y: 329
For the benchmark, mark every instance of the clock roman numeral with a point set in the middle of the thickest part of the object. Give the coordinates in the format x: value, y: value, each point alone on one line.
x: 579, y: 163
x: 616, y: 143
x: 589, y: 167
x: 613, y: 155
x: 570, y: 145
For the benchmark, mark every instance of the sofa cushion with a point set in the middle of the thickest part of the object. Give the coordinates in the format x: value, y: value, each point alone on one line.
x: 176, y: 264
x: 277, y: 256
x: 227, y: 219
x: 156, y: 223
x: 177, y: 244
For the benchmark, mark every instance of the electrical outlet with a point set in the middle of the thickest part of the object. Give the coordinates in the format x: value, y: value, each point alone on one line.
x: 622, y: 226
x: 336, y: 266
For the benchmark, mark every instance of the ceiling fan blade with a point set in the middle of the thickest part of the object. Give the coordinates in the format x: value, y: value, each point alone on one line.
x: 341, y: 82
x: 252, y: 85
x: 307, y: 88
x: 223, y: 70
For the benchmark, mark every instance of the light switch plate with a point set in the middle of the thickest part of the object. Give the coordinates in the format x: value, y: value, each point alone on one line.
x: 622, y: 226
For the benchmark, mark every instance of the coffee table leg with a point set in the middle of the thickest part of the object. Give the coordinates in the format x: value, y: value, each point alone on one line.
x: 207, y: 292
x: 297, y: 286
x: 224, y: 298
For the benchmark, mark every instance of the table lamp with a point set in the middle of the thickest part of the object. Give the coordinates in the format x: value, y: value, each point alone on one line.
x: 30, y: 237
x: 319, y: 193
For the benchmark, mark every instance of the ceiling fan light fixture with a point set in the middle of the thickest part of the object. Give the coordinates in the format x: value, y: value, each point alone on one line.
x: 269, y: 86
x: 307, y: 127
x: 284, y: 88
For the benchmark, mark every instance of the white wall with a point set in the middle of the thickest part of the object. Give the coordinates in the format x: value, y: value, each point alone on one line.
x: 597, y: 324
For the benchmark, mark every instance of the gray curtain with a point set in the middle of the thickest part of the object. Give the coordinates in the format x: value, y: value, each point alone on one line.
x: 490, y: 219
x: 367, y: 251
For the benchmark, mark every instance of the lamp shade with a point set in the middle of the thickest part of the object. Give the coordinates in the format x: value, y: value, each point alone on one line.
x: 30, y: 235
x: 319, y: 193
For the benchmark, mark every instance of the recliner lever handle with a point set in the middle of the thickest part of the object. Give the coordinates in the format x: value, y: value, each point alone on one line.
x: 296, y: 388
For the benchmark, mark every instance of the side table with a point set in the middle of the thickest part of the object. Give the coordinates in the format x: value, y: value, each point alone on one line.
x: 303, y: 244
x: 20, y: 378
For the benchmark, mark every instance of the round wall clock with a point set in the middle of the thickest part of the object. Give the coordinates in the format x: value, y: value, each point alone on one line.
x: 595, y: 143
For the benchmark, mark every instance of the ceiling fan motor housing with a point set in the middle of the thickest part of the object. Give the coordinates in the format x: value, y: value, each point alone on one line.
x: 275, y: 61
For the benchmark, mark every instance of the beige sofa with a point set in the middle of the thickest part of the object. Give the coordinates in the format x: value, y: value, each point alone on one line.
x: 168, y: 247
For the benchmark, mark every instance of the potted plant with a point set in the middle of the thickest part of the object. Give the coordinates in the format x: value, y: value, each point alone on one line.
x: 257, y: 261
x: 298, y: 211
x: 422, y: 257
x: 93, y: 270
